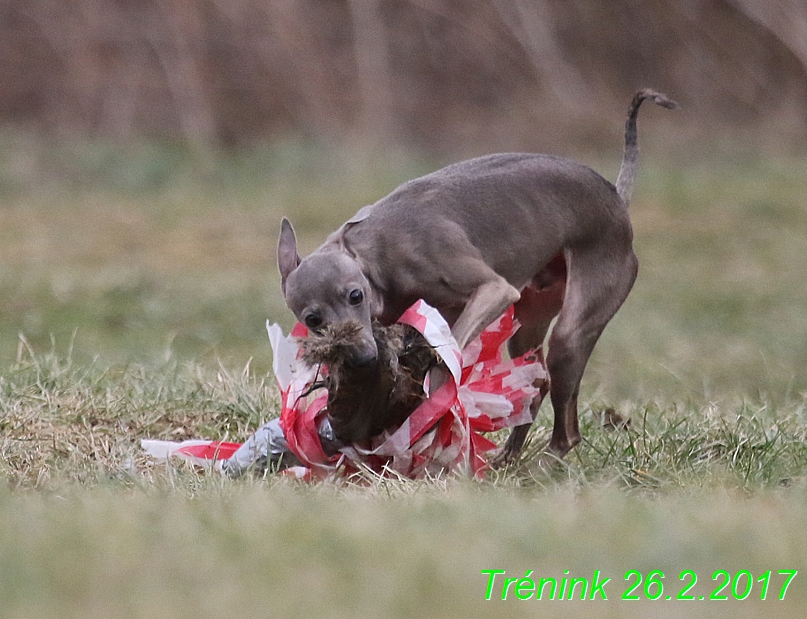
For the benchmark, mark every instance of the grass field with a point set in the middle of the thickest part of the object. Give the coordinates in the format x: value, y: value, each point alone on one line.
x: 134, y: 288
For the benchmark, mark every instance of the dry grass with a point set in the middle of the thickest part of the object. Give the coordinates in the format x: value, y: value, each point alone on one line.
x: 68, y: 424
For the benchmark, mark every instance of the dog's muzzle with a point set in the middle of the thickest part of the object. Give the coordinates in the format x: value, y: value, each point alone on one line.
x: 364, y: 356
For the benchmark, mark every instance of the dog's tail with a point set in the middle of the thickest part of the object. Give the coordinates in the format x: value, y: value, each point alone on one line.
x: 630, y: 158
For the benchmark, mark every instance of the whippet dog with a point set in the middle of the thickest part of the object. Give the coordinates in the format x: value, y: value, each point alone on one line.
x: 544, y: 233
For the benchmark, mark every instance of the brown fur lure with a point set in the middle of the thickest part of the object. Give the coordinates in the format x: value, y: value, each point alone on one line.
x: 363, y: 402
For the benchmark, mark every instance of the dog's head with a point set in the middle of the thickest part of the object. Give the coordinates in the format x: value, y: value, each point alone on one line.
x: 326, y: 289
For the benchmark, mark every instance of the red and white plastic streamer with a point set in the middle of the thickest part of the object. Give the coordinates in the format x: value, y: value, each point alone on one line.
x: 196, y: 451
x: 480, y: 392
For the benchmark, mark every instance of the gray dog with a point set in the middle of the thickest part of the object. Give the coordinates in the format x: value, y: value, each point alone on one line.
x: 548, y: 234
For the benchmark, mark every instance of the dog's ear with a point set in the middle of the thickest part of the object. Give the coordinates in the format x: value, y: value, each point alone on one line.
x: 287, y: 257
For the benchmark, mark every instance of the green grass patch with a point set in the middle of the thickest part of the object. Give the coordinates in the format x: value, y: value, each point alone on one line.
x: 276, y: 549
x: 134, y: 287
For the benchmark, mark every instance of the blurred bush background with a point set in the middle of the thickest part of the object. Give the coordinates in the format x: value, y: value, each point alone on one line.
x: 448, y: 76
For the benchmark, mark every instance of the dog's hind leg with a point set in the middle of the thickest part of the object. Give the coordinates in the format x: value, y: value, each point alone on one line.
x: 598, y: 283
x: 539, y: 304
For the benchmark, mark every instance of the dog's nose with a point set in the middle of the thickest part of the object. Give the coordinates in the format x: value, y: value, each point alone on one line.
x: 364, y: 360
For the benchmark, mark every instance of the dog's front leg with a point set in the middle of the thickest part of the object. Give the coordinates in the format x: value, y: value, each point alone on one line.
x: 486, y: 304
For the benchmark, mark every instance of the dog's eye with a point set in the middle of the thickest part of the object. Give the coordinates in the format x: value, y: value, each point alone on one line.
x: 356, y: 296
x: 312, y: 321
